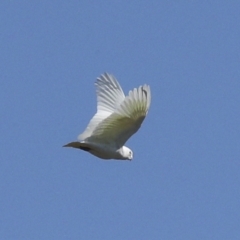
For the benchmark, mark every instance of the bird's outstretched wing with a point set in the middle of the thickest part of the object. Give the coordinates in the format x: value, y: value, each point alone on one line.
x: 126, y: 120
x: 109, y: 97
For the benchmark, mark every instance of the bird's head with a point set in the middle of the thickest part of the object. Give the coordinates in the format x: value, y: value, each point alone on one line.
x: 127, y: 153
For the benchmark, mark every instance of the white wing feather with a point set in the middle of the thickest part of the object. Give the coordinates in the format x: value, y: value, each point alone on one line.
x: 126, y: 120
x: 109, y: 93
x: 109, y: 97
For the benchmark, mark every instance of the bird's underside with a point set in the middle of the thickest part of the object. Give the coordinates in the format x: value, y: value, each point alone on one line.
x: 99, y: 150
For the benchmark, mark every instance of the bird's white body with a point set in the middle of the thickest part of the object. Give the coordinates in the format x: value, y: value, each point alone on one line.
x: 117, y: 119
x: 103, y: 151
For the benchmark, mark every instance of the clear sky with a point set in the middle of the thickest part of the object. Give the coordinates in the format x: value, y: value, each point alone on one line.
x: 184, y: 180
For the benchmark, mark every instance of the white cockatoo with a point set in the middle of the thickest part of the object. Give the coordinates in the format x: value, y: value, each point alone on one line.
x: 118, y: 117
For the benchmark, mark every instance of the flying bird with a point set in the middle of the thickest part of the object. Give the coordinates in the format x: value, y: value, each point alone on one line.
x: 118, y: 117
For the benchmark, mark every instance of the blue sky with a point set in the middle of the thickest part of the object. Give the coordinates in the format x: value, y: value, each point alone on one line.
x: 183, y: 182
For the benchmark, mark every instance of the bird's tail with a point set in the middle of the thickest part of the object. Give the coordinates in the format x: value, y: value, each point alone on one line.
x: 73, y: 144
x: 80, y: 145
